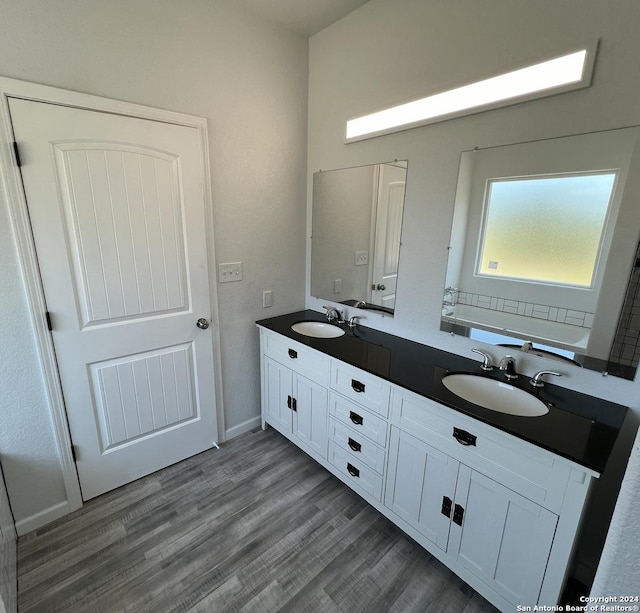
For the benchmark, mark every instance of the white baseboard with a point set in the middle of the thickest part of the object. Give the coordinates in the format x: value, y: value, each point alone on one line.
x: 33, y: 522
x: 245, y: 426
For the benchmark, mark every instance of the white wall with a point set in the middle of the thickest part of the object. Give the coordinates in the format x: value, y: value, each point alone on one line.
x: 202, y: 57
x: 392, y: 51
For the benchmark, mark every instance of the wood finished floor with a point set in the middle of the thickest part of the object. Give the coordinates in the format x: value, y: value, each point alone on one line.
x: 255, y: 526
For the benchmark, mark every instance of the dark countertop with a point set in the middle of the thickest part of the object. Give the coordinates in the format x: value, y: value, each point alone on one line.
x: 579, y: 427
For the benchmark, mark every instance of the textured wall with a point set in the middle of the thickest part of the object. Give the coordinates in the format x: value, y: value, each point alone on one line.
x: 392, y: 51
x: 201, y: 57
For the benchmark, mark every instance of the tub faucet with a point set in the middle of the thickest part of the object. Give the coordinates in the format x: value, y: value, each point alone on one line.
x: 452, y: 292
x: 508, y: 366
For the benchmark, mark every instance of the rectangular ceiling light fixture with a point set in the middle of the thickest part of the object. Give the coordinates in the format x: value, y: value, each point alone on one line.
x: 561, y: 74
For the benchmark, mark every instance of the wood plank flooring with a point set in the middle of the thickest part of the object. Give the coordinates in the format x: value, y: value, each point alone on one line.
x: 255, y: 526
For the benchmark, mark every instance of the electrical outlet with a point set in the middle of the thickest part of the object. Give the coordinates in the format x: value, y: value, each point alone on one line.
x: 267, y: 299
x: 231, y: 271
x: 361, y: 258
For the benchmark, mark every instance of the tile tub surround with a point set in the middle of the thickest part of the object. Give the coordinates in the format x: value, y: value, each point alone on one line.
x: 578, y: 427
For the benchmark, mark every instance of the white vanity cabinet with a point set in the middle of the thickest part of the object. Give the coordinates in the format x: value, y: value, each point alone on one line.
x: 498, y: 535
x: 294, y: 392
x: 501, y: 509
x: 502, y: 513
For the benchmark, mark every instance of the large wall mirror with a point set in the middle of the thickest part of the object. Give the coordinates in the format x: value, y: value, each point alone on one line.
x: 544, y: 254
x: 355, y: 236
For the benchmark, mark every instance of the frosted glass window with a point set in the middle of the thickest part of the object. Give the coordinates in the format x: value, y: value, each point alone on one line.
x: 545, y: 229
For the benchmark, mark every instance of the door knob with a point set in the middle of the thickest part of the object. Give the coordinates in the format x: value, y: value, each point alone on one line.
x: 381, y: 287
x: 202, y: 323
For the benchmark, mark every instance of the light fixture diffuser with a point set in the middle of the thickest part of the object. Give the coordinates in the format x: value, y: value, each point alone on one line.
x: 561, y: 74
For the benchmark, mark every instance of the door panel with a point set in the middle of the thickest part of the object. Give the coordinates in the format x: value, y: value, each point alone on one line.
x: 391, y: 189
x: 419, y: 477
x: 504, y: 538
x: 123, y: 216
x: 278, y: 391
x: 118, y: 216
x: 310, y: 418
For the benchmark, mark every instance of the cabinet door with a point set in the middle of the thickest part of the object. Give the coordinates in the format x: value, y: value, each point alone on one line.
x: 421, y: 481
x: 310, y: 415
x: 278, y: 384
x: 501, y: 537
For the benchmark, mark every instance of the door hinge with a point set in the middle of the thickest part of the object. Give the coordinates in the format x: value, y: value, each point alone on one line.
x: 47, y: 317
x: 74, y: 453
x: 16, y: 154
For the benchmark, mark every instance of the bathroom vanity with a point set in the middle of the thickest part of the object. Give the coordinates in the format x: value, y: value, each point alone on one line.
x: 497, y: 498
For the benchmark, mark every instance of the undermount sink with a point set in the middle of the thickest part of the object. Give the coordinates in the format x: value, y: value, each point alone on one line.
x: 495, y: 395
x: 317, y: 329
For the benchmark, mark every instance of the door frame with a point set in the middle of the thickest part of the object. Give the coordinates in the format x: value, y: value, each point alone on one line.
x: 11, y: 188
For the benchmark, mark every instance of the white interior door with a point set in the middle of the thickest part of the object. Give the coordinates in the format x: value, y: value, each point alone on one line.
x: 117, y: 210
x: 386, y: 250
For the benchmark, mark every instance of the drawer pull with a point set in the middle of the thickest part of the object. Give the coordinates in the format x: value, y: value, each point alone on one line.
x: 446, y: 506
x: 458, y: 515
x: 357, y: 386
x: 354, y: 445
x: 464, y: 437
x: 293, y: 354
x: 353, y: 471
x: 355, y: 418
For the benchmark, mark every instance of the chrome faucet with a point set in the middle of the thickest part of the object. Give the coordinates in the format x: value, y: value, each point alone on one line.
x: 526, y: 346
x: 352, y: 320
x: 452, y: 292
x: 486, y: 360
x: 508, y: 366
x: 333, y: 313
x: 537, y: 381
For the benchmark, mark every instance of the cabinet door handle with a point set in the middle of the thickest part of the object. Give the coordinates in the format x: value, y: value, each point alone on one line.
x: 354, y: 445
x: 446, y: 506
x: 355, y: 418
x: 294, y: 404
x: 288, y: 402
x: 353, y: 471
x: 293, y: 354
x: 357, y: 386
x: 458, y: 515
x: 464, y: 437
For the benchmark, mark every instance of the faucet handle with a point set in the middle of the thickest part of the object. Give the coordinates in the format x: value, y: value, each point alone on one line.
x: 353, y: 322
x: 486, y: 360
x: 536, y: 380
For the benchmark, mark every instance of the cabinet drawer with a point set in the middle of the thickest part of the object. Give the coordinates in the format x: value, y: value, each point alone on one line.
x: 358, y: 385
x: 364, y: 422
x: 537, y: 474
x: 299, y: 358
x: 360, y: 448
x: 359, y: 475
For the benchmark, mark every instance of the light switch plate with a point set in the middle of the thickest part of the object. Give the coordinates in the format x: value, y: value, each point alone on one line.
x: 267, y: 299
x: 361, y: 258
x: 230, y: 271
